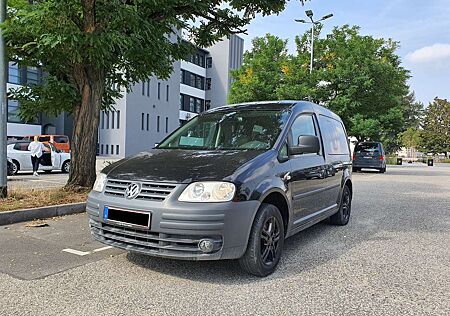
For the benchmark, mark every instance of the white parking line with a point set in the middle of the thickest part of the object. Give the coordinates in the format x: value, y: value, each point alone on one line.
x: 76, y: 252
x: 84, y: 253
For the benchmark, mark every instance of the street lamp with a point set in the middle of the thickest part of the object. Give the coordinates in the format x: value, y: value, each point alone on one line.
x: 310, y: 15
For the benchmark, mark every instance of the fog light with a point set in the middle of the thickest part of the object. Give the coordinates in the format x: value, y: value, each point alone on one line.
x: 206, y: 245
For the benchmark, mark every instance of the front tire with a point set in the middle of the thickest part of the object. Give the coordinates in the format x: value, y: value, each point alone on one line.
x: 342, y: 217
x: 265, y: 244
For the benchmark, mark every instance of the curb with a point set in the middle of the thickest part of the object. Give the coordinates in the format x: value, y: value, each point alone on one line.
x: 23, y: 215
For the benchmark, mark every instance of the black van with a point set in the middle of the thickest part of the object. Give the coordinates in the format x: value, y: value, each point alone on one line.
x: 369, y: 155
x: 232, y: 183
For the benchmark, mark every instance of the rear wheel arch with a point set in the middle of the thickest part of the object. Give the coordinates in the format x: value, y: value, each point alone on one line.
x: 17, y: 163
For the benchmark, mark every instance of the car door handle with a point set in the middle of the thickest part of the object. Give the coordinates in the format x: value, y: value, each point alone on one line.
x: 287, y: 176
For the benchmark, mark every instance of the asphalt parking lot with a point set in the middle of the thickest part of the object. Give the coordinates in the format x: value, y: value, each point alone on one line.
x: 26, y: 180
x: 392, y: 259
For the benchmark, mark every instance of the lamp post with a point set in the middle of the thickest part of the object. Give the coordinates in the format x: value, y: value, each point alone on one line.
x: 3, y: 106
x: 310, y: 15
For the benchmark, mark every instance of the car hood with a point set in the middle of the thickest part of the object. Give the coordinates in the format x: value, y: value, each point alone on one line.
x: 181, y: 166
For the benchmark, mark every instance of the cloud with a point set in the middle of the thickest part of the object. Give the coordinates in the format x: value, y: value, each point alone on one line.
x: 433, y: 53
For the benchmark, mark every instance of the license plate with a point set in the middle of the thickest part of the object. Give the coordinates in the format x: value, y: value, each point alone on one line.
x: 367, y: 157
x: 127, y: 217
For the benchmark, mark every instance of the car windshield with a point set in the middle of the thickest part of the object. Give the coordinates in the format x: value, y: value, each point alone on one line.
x: 366, y: 148
x: 231, y: 130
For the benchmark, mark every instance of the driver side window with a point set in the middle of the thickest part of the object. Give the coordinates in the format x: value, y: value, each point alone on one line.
x: 303, y: 126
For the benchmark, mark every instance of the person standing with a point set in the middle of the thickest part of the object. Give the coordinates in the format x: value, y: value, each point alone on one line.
x: 36, y: 149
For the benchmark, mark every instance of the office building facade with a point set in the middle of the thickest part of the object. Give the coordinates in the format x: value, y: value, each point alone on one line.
x: 154, y: 108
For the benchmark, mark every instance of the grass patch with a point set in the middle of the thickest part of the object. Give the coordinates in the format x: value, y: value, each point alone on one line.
x: 20, y: 198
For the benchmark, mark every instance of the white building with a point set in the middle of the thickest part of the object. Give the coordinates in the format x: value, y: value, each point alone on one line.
x: 155, y: 107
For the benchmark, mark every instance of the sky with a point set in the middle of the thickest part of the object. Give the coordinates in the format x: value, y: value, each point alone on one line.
x: 421, y: 27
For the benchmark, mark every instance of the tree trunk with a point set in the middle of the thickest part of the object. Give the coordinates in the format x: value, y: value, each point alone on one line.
x: 91, y: 84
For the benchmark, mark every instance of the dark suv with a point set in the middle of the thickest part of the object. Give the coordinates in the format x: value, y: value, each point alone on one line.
x: 232, y: 183
x: 369, y: 155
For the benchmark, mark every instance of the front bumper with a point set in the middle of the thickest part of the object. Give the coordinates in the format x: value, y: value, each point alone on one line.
x: 176, y: 227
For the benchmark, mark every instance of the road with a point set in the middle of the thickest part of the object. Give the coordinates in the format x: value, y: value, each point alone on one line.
x: 392, y: 259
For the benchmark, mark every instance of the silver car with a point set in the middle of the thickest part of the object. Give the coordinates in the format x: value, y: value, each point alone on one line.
x: 20, y: 157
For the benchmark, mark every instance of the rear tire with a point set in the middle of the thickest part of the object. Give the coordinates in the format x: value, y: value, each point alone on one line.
x: 354, y: 169
x: 342, y: 217
x: 265, y: 244
x: 383, y: 170
x: 14, y: 168
x: 65, y: 167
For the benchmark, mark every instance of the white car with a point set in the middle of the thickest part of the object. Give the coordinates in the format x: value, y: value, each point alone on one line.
x: 20, y: 156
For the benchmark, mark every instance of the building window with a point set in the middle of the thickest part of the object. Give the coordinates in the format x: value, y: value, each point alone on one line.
x: 157, y: 124
x: 117, y: 149
x: 198, y: 58
x: 112, y: 149
x: 159, y: 90
x: 193, y: 80
x: 148, y: 88
x: 143, y: 87
x: 148, y: 122
x: 13, y: 73
x: 207, y: 105
x: 113, y: 120
x: 167, y: 125
x: 181, y: 101
x: 107, y: 119
x: 142, y: 121
x: 198, y: 105
x: 101, y: 149
x: 209, y: 62
x: 208, y: 83
x: 118, y: 119
x: 33, y: 75
x: 191, y: 104
x: 13, y: 111
x: 167, y: 93
x: 103, y: 119
x: 107, y: 149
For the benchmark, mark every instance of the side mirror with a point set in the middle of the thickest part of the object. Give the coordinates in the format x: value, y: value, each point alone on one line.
x: 307, y: 144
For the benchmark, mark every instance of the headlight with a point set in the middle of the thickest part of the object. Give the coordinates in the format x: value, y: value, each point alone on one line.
x: 208, y: 192
x: 100, y: 182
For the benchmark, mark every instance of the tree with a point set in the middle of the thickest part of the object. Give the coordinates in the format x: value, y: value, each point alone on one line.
x: 358, y: 77
x: 412, y: 138
x: 87, y: 47
x: 261, y: 70
x: 436, y: 127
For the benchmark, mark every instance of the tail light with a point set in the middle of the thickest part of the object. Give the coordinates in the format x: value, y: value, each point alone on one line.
x: 354, y: 156
x: 381, y: 157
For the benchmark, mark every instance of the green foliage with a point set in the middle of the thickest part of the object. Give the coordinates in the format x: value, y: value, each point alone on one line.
x: 115, y: 41
x: 436, y: 127
x: 411, y: 138
x: 261, y: 70
x: 358, y: 77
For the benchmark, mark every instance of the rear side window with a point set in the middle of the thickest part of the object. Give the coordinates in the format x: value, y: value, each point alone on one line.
x: 367, y: 148
x: 21, y: 146
x: 61, y: 139
x: 334, y: 136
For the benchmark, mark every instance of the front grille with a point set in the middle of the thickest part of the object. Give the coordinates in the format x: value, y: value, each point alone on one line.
x: 150, y: 242
x: 150, y: 191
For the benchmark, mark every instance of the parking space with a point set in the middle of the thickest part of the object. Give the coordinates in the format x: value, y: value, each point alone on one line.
x: 392, y: 259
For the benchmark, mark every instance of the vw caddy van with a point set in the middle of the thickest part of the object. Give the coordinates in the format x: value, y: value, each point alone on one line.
x: 232, y: 183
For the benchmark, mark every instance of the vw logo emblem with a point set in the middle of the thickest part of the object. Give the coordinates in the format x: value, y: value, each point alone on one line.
x: 132, y: 190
